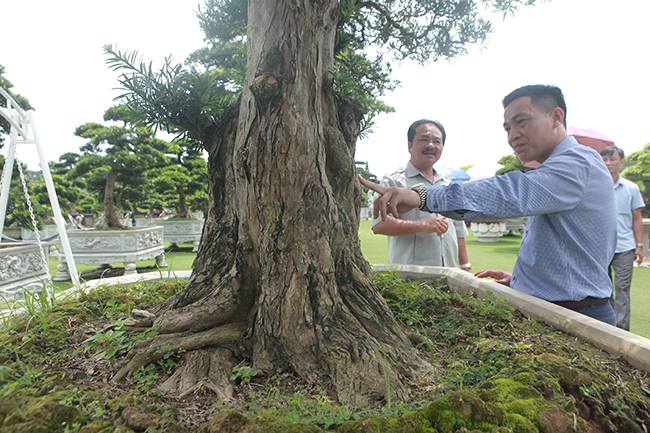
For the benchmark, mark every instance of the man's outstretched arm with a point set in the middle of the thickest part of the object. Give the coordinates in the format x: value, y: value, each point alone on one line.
x: 392, y: 226
x: 392, y: 200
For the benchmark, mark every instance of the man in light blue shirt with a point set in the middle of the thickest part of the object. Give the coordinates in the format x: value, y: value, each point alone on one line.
x: 629, y: 230
x: 571, y: 231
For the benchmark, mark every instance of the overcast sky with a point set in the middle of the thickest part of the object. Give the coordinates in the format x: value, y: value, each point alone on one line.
x: 597, y: 51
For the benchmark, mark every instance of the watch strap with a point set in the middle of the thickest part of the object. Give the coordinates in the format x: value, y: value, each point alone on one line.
x: 422, y: 192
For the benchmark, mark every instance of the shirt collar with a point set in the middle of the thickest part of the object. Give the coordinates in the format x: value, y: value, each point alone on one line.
x: 618, y: 181
x: 411, y: 171
x: 565, y: 144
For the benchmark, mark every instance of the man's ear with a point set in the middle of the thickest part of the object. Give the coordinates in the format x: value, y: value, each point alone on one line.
x: 557, y: 114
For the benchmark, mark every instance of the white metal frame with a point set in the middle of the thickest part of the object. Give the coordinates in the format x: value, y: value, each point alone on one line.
x: 22, y: 123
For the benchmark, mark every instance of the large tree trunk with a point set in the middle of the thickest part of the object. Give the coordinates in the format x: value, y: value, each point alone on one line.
x: 182, y: 211
x: 279, y: 279
x: 110, y: 216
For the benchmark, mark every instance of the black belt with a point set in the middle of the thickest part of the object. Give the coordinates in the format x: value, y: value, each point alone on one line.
x: 587, y: 302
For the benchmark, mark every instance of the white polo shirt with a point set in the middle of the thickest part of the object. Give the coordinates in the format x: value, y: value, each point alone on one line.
x: 421, y: 248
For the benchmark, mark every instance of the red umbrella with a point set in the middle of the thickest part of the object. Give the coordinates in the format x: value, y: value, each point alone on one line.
x: 593, y: 139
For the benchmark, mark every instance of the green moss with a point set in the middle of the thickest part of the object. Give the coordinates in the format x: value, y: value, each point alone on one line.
x: 499, y: 390
x: 5, y: 410
x: 97, y: 427
x: 519, y: 424
x: 412, y: 422
x: 526, y: 408
x: 556, y: 419
x: 227, y: 421
x: 268, y: 422
x: 43, y: 414
x: 231, y: 421
x: 166, y: 290
x: 125, y: 400
x: 571, y: 379
x: 464, y: 409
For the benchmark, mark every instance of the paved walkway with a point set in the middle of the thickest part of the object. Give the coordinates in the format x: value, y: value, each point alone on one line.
x: 87, y: 286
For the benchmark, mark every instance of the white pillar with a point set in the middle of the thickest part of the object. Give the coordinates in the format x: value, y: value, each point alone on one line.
x: 51, y: 192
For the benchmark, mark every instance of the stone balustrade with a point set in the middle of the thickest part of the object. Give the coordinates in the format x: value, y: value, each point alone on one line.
x: 488, y: 230
x: 178, y: 230
x: 22, y: 270
x: 104, y: 247
x: 646, y: 237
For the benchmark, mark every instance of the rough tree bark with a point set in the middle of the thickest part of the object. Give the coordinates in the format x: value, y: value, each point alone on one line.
x: 110, y: 216
x: 279, y: 279
x: 182, y: 211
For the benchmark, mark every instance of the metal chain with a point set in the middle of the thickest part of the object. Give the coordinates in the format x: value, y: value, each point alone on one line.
x: 31, y: 213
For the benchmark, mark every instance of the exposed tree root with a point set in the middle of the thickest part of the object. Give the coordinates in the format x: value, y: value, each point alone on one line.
x: 210, y: 368
x: 152, y: 350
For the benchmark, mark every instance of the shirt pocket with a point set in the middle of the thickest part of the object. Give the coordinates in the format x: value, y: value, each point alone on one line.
x: 424, y: 247
x: 624, y: 207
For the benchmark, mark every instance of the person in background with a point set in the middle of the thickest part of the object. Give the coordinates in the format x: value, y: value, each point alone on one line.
x: 417, y: 237
x: 570, y: 235
x: 629, y: 232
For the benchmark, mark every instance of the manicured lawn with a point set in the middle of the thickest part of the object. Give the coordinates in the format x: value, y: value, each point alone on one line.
x: 502, y: 255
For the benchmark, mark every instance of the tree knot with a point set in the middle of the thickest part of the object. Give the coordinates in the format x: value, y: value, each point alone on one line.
x: 266, y: 85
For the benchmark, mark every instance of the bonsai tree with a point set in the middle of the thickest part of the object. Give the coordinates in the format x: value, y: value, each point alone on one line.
x: 17, y: 212
x: 186, y: 174
x: 116, y: 156
x: 362, y: 169
x: 511, y: 163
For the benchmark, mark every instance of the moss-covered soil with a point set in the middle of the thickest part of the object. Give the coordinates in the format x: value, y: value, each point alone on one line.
x: 494, y: 371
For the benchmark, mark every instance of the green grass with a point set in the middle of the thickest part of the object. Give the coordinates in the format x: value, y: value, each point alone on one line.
x: 501, y: 256
x: 640, y: 292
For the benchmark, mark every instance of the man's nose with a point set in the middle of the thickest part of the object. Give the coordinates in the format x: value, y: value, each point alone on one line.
x: 513, y: 133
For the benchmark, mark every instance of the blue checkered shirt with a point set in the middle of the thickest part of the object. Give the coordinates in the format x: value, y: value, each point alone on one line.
x: 570, y: 236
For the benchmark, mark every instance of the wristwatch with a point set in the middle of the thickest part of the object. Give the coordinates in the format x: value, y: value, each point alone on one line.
x: 639, y: 245
x: 422, y: 192
x: 467, y: 265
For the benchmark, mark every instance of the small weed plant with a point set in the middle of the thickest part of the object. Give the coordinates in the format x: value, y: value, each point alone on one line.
x: 243, y: 373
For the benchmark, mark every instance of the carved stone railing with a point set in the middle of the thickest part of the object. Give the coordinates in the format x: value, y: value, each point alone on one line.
x: 22, y: 270
x: 183, y: 231
x: 104, y: 247
x: 646, y: 237
x: 179, y: 230
x: 489, y: 230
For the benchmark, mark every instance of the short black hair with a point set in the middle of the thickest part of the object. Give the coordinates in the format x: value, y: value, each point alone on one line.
x: 543, y: 96
x: 413, y: 129
x: 609, y: 151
